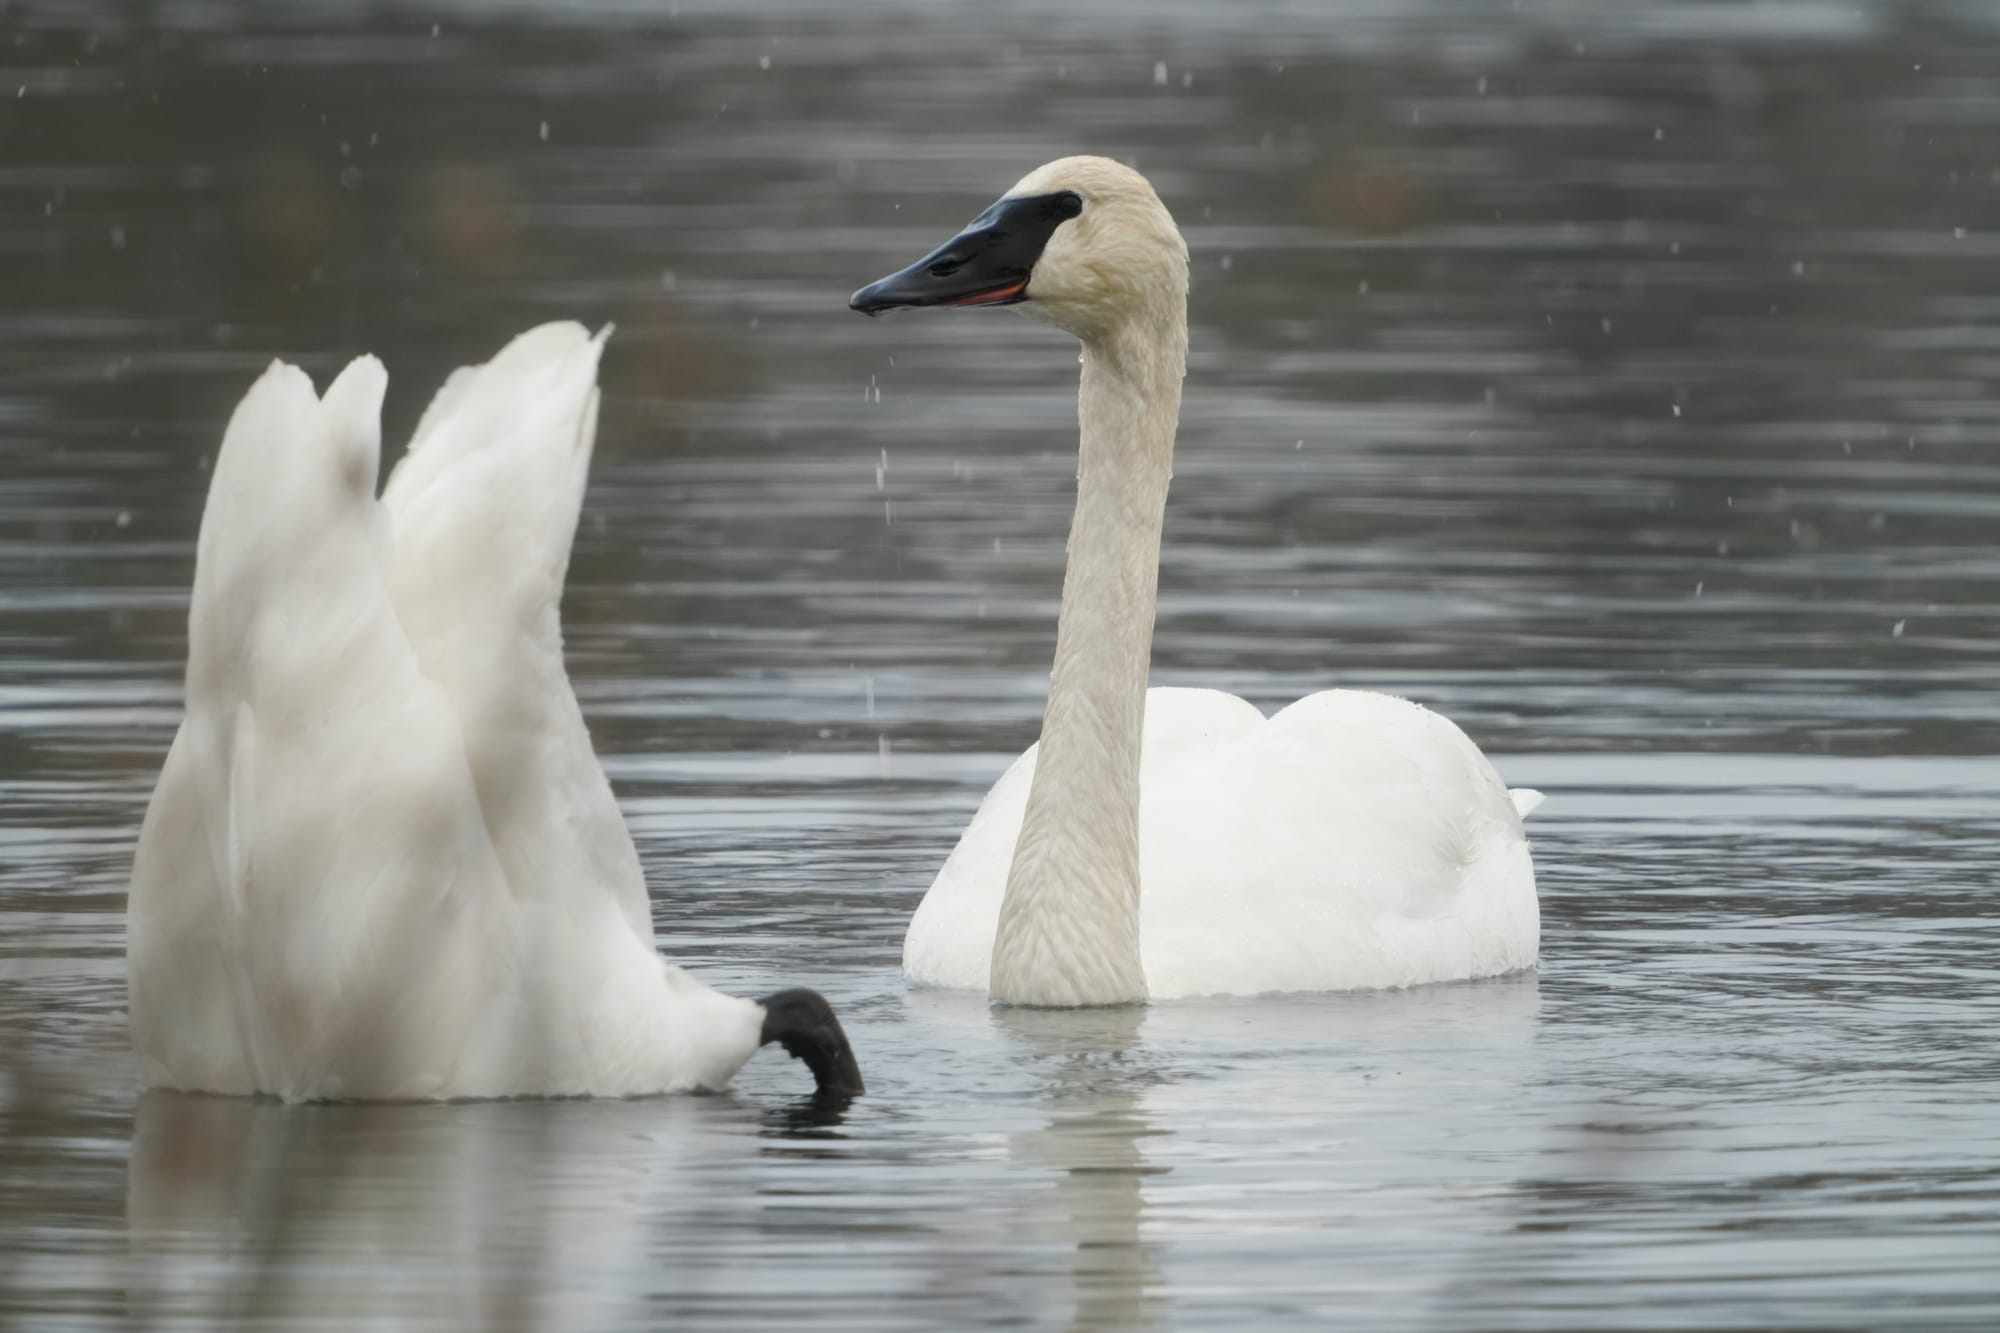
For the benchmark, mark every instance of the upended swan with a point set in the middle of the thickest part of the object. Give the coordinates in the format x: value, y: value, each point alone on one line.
x: 382, y: 860
x: 1175, y: 842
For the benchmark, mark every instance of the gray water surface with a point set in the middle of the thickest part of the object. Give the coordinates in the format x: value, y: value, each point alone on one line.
x: 1618, y: 379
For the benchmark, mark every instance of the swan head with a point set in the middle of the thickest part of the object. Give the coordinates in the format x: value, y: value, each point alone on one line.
x: 1082, y: 243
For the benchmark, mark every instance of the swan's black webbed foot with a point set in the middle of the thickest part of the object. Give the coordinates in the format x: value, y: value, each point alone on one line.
x: 803, y: 1023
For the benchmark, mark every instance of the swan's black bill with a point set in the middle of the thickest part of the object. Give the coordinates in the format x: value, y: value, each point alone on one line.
x: 802, y: 1022
x: 989, y: 263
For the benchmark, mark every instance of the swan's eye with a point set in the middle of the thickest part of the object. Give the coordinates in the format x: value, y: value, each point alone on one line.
x: 1069, y: 203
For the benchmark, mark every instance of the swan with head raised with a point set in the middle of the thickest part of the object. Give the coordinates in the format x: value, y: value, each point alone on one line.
x: 1176, y: 842
x: 382, y: 861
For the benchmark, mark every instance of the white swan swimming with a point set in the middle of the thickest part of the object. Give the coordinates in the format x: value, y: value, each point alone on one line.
x: 1175, y: 842
x: 382, y: 860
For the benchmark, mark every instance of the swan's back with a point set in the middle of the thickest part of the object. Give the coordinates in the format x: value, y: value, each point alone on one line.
x: 1365, y: 842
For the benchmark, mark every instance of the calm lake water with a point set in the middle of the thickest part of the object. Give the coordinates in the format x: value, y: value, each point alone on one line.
x: 1623, y: 386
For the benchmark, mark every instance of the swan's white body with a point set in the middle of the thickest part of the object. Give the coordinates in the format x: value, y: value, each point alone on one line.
x: 1175, y: 842
x: 1353, y: 840
x: 382, y: 860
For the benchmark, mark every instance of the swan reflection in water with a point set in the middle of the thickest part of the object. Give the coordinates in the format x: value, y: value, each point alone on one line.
x: 1346, y: 1087
x: 1093, y: 1077
x: 510, y: 1214
x: 1023, y: 1163
x: 570, y: 1214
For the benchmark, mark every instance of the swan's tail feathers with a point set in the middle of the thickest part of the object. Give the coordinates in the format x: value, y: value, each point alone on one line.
x: 351, y: 407
x: 259, y: 457
x: 484, y: 507
x: 484, y: 504
x: 290, y: 515
x: 318, y: 794
x: 1526, y: 800
x: 500, y: 457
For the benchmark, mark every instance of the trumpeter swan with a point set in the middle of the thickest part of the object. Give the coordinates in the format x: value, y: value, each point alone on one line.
x: 382, y: 860
x: 1175, y: 842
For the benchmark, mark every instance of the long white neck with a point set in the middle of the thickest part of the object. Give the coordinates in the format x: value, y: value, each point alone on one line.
x: 1069, y: 924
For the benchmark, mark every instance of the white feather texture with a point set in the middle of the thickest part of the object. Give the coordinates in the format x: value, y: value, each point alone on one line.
x: 1172, y: 843
x: 382, y: 860
x: 1353, y: 840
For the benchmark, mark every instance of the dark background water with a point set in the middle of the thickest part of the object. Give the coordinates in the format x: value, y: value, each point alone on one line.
x: 1616, y: 378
